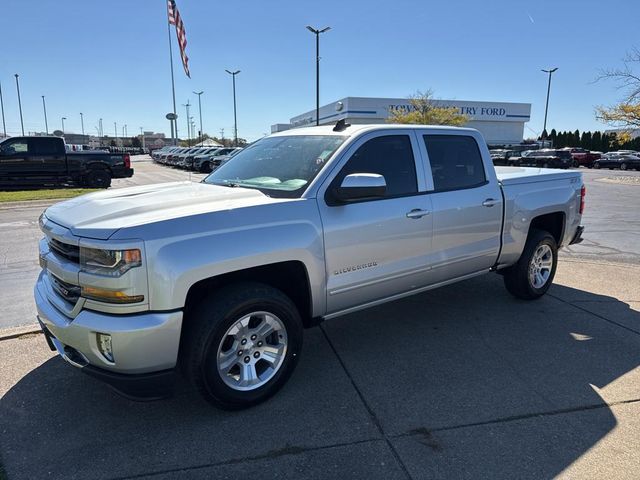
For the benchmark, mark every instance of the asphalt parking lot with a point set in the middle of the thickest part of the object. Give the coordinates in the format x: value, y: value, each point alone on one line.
x: 460, y: 382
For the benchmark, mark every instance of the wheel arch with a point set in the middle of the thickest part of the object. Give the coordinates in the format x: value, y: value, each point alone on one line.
x: 290, y: 277
x: 554, y: 223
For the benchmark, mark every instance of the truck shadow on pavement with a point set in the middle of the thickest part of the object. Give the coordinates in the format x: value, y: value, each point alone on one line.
x: 460, y: 382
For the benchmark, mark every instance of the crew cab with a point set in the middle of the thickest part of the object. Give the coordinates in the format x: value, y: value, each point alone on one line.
x: 41, y: 161
x: 218, y: 279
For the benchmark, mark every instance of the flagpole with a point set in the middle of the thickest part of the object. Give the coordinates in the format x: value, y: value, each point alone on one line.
x: 174, y: 123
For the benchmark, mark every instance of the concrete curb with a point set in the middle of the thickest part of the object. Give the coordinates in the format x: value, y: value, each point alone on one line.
x: 29, y: 203
x: 15, y: 332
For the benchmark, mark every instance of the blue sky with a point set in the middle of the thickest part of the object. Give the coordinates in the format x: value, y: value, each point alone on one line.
x: 110, y: 59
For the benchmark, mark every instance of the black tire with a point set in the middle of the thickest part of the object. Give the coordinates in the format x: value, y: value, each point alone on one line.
x: 205, y: 331
x: 576, y: 164
x: 205, y: 167
x: 596, y: 165
x: 516, y: 277
x: 545, y: 165
x: 623, y: 166
x: 98, y: 179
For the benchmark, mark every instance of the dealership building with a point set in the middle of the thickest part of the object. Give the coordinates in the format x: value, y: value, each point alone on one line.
x: 501, y: 123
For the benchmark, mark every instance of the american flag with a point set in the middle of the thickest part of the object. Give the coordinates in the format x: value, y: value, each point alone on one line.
x: 175, y: 19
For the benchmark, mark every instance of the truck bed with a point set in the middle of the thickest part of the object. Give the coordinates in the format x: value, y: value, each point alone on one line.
x: 522, y: 175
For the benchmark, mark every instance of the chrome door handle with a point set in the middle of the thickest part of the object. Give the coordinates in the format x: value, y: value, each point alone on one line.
x: 490, y: 202
x: 417, y: 213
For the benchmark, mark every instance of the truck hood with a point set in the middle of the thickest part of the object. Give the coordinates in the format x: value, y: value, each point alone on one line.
x: 99, y: 215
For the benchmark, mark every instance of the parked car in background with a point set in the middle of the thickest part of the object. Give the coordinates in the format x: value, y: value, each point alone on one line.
x: 545, y: 158
x: 506, y: 157
x: 204, y: 152
x: 204, y: 163
x: 616, y: 160
x: 180, y: 159
x: 582, y: 157
x: 218, y: 160
x: 42, y: 161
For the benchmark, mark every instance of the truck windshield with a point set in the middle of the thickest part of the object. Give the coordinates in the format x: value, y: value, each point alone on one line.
x: 278, y: 166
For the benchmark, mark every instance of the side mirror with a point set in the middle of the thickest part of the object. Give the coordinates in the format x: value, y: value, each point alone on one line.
x: 359, y: 186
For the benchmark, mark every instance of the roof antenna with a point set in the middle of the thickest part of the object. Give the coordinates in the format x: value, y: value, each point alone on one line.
x: 341, y: 126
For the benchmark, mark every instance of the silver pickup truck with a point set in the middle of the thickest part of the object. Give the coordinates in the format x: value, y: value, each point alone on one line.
x: 219, y: 279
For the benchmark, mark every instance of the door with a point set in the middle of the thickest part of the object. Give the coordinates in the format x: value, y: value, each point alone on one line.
x: 13, y: 159
x: 467, y: 207
x: 47, y: 158
x: 377, y: 248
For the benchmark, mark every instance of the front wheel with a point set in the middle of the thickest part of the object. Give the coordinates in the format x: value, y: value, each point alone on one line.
x: 623, y: 166
x: 532, y: 276
x: 205, y: 167
x: 596, y: 165
x: 241, y: 344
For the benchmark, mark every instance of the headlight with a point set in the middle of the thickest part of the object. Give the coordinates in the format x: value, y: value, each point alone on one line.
x: 112, y: 263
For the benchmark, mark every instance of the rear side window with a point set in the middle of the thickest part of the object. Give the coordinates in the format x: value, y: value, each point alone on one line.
x: 455, y: 161
x: 46, y: 146
x: 390, y: 156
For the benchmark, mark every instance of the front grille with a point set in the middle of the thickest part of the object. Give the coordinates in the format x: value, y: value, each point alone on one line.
x: 70, y: 252
x: 69, y: 292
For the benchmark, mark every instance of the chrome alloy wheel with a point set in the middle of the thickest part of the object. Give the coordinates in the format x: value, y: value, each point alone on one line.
x: 540, y: 266
x: 252, y: 351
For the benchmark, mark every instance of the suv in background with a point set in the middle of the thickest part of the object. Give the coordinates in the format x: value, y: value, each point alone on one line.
x: 204, y: 163
x: 545, y: 158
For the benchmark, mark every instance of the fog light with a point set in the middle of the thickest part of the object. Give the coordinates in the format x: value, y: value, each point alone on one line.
x: 104, y: 345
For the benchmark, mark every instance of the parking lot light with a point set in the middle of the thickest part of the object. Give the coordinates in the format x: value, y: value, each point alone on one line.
x: 546, y: 108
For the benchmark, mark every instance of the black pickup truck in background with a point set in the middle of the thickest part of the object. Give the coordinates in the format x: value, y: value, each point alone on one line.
x: 44, y: 161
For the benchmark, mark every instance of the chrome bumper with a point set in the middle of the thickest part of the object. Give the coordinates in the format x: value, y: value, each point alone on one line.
x: 141, y: 343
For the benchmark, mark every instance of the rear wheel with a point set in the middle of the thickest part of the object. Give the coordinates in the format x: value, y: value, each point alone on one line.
x: 532, y: 276
x: 98, y: 179
x: 623, y: 166
x: 205, y: 167
x: 596, y: 165
x: 242, y: 344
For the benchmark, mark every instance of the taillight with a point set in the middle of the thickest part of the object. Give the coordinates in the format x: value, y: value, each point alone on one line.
x: 127, y: 161
x: 583, y: 192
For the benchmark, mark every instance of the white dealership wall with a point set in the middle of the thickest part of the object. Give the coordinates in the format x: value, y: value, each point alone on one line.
x: 499, y: 122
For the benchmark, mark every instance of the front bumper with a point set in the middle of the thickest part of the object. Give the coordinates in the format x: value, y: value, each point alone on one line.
x: 145, y: 346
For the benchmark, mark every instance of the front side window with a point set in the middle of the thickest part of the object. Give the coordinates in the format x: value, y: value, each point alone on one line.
x: 281, y: 166
x: 390, y: 156
x: 455, y: 160
x: 14, y: 147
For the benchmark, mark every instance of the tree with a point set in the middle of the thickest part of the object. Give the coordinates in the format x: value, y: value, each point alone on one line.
x: 626, y: 113
x: 424, y: 110
x: 596, y: 141
x: 135, y: 142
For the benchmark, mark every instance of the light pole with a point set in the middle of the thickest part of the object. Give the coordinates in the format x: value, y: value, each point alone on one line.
x: 235, y: 117
x: 317, y: 34
x: 142, y: 135
x: 126, y: 133
x: 19, y: 103
x: 186, y: 106
x: 200, y: 112
x: 46, y: 124
x: 546, y: 108
x: 82, y: 123
x: 63, y: 119
x: 101, y: 133
x: 4, y: 126
x: 115, y: 130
